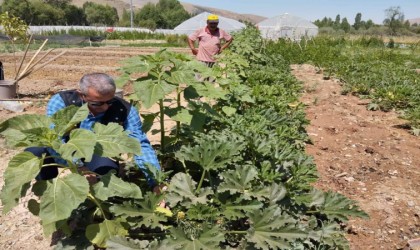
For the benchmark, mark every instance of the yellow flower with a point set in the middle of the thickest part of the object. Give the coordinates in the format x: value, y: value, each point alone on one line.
x: 180, y: 215
x: 165, y: 211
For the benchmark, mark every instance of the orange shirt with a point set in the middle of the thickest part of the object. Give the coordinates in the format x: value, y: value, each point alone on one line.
x: 209, y: 43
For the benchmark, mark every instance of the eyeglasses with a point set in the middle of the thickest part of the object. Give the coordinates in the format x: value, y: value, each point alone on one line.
x: 98, y: 104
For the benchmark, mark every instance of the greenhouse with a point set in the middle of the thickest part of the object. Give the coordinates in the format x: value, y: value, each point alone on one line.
x: 200, y: 20
x: 287, y: 26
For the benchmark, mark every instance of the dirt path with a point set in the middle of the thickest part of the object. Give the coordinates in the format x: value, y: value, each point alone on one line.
x: 364, y: 156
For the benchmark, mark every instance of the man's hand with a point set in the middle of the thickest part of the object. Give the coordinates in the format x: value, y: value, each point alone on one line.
x: 158, y: 190
x: 194, y: 51
x: 90, y: 176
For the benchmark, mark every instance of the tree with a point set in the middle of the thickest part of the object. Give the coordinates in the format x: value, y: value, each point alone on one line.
x: 100, y: 14
x: 125, y: 20
x: 369, y: 24
x: 166, y: 14
x: 172, y: 12
x: 149, y: 17
x: 337, y: 22
x: 345, y: 25
x: 74, y: 15
x: 22, y: 9
x: 394, y: 19
x: 358, y: 21
x: 46, y: 14
x: 58, y: 3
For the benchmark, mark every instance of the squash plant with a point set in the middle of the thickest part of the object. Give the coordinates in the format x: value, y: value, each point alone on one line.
x: 241, y: 182
x: 60, y: 197
x: 155, y: 77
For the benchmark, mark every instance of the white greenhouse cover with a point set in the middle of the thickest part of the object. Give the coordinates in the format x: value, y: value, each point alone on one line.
x: 200, y: 20
x: 287, y: 26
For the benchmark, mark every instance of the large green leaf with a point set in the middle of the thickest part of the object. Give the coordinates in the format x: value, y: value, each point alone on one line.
x: 239, y: 180
x: 80, y: 145
x: 330, y: 234
x: 272, y: 230
x: 277, y: 193
x: 100, y: 233
x: 138, y: 64
x: 335, y: 205
x: 208, y: 90
x: 182, y: 190
x: 212, y: 151
x: 181, y: 76
x: 112, y: 141
x: 15, y: 138
x: 122, y: 243
x: 208, y: 239
x: 110, y: 185
x: 22, y: 169
x: 41, y: 137
x: 67, y: 119
x: 62, y: 196
x: 18, y: 128
x: 150, y: 92
x: 180, y: 114
x: 144, y: 209
x: 148, y: 120
x: 237, y: 208
x: 25, y: 122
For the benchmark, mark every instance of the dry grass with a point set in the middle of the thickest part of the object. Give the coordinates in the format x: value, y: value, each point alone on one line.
x: 397, y: 39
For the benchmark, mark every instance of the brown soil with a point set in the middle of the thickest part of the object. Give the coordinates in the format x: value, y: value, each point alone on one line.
x: 359, y: 153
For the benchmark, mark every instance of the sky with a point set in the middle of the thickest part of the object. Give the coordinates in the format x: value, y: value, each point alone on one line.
x: 317, y: 9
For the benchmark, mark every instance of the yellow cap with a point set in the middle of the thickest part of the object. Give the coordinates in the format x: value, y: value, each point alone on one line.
x: 213, y: 18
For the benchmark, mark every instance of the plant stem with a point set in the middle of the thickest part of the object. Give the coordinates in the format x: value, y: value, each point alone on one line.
x: 178, y: 104
x: 55, y: 164
x: 201, y: 181
x: 98, y: 204
x: 162, y: 126
x: 162, y: 119
x: 236, y: 232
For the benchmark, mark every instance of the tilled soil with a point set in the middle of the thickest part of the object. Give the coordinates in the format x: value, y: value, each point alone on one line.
x: 366, y: 156
x: 361, y: 154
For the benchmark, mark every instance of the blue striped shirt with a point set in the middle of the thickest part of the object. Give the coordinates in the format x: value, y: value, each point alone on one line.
x: 132, y: 124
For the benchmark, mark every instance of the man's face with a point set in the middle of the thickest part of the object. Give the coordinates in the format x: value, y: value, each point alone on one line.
x: 97, y: 103
x: 212, y: 25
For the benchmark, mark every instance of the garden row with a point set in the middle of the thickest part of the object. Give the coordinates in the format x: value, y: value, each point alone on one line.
x: 386, y: 74
x: 234, y: 164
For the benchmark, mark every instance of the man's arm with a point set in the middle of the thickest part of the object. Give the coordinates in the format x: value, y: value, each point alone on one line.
x: 192, y: 46
x: 148, y: 155
x: 227, y: 44
x: 55, y: 104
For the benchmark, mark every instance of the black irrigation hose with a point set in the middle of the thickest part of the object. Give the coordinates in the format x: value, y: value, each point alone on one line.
x: 1, y: 71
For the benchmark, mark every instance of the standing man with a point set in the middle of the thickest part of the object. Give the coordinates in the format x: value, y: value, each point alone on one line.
x: 209, y: 41
x: 98, y: 91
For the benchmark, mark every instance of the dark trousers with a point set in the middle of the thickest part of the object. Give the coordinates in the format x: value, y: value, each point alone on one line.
x: 208, y: 64
x: 99, y: 165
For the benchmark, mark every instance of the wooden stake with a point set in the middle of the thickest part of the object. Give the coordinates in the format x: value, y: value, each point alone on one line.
x: 41, y: 66
x: 32, y: 59
x: 23, y: 58
x: 39, y: 60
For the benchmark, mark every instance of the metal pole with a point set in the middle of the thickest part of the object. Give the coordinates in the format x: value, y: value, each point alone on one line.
x: 131, y: 13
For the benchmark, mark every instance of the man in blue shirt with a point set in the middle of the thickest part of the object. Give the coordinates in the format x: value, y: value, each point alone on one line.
x: 98, y: 91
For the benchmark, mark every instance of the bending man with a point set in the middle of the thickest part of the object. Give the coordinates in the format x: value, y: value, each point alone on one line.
x: 98, y: 91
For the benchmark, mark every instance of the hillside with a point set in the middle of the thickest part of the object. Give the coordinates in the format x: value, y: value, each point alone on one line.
x: 414, y: 20
x: 125, y: 4
x: 120, y: 5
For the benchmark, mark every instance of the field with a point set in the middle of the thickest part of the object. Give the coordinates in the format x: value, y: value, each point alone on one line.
x: 364, y: 155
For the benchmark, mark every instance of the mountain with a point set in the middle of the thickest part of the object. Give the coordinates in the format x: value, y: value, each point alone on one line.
x: 414, y: 20
x: 191, y: 8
